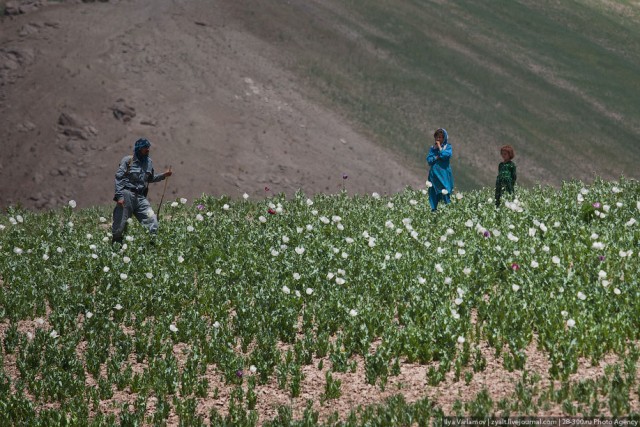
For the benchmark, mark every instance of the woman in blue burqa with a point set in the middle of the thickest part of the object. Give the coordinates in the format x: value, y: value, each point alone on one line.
x: 440, y: 175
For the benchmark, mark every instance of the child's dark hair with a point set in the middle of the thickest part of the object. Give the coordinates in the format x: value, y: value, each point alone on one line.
x: 509, y: 150
x: 437, y: 133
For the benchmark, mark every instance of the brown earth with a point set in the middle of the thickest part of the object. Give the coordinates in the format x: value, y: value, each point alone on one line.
x: 80, y: 82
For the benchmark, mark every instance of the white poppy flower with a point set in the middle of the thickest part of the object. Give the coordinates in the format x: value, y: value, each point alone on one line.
x: 556, y: 224
x: 511, y: 237
x: 390, y: 205
x: 330, y: 276
x: 216, y: 324
x: 428, y: 184
x: 54, y: 334
x: 218, y: 271
x: 88, y: 315
x: 602, y: 274
x: 324, y: 220
x: 605, y: 283
x: 375, y: 195
x: 616, y: 190
x: 597, y: 245
x: 555, y: 260
x: 439, y: 268
x: 298, y: 229
x: 616, y: 291
x: 581, y: 296
x: 458, y: 301
x: 245, y: 196
x: 40, y: 321
x: 253, y: 369
x: 118, y: 307
x: 314, y: 212
x: 94, y: 256
x: 460, y: 292
x: 469, y: 223
x: 340, y: 281
x: 209, y: 214
x: 459, y: 196
x: 123, y: 276
x: 149, y: 275
x: 174, y: 204
x: 413, y: 202
x: 129, y: 238
x: 631, y: 222
x: 309, y: 202
x: 126, y: 260
x: 532, y: 232
x: 461, y: 340
x: 461, y: 251
x: 296, y: 276
x: 353, y: 312
x: 309, y: 227
x: 102, y: 219
x: 534, y: 264
x: 466, y: 271
x: 45, y: 257
x: 571, y: 323
x: 59, y: 250
x: 274, y: 252
x: 262, y: 219
x: 17, y: 250
x: 286, y: 289
x: 190, y: 228
x: 584, y: 191
x: 580, y: 198
x: 199, y: 217
x: 344, y: 255
x: 105, y: 269
x: 444, y: 191
x: 449, y: 232
x: 545, y: 248
x: 447, y: 280
x: 398, y: 255
x: 309, y: 291
x: 173, y: 328
x: 183, y: 200
x: 225, y: 207
x: 515, y: 288
x: 299, y: 250
x: 564, y: 313
x: 21, y: 220
x: 180, y: 259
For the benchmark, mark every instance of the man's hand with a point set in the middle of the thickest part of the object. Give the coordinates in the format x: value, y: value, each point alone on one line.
x: 168, y: 173
x: 438, y: 145
x: 121, y: 202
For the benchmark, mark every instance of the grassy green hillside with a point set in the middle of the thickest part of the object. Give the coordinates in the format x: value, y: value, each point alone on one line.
x: 558, y: 80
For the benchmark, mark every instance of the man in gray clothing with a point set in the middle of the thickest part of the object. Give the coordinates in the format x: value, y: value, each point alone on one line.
x: 132, y: 181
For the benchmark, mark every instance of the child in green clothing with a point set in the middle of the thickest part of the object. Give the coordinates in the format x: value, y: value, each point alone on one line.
x: 506, y: 178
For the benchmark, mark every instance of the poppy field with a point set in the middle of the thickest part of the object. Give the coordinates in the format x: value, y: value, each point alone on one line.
x: 238, y: 301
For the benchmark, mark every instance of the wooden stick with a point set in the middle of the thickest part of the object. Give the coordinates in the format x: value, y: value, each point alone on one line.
x: 166, y: 181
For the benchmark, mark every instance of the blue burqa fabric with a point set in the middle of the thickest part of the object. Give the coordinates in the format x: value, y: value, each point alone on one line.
x: 440, y: 174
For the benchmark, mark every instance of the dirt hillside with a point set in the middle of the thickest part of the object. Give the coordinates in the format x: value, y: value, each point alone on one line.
x: 80, y: 82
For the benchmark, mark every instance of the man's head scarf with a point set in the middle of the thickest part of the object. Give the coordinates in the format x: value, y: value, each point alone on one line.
x: 140, y: 144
